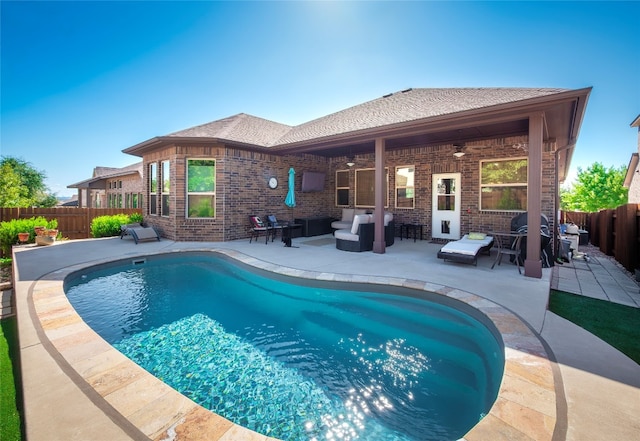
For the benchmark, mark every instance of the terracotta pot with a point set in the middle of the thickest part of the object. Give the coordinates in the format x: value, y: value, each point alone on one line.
x: 23, y: 237
x: 39, y: 230
x: 52, y: 233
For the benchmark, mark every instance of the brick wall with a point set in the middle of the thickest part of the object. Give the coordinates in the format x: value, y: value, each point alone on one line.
x: 242, y: 187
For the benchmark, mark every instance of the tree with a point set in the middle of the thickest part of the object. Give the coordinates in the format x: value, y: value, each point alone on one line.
x: 21, y: 185
x: 596, y: 188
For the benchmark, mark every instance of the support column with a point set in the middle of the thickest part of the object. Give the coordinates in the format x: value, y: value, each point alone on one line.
x: 380, y: 185
x: 533, y: 262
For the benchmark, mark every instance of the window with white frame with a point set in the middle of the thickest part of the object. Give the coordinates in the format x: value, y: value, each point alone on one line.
x: 164, y: 191
x: 405, y: 191
x: 201, y: 186
x: 153, y: 188
x: 365, y: 187
x: 503, y: 184
x: 342, y: 188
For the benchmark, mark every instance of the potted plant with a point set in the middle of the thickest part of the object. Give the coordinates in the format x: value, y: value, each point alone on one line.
x: 46, y: 236
x: 23, y: 237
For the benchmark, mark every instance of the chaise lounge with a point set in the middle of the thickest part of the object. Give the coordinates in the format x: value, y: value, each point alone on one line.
x: 139, y: 233
x: 467, y: 249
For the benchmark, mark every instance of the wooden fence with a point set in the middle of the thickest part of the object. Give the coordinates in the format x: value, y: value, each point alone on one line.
x: 73, y: 223
x: 615, y: 232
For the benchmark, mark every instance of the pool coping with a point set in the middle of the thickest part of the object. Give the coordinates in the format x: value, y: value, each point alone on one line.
x: 146, y: 408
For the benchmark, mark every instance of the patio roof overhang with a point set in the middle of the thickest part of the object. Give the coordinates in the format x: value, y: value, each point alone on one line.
x: 563, y: 114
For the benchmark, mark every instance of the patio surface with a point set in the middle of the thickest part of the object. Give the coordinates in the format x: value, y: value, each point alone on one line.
x: 560, y: 382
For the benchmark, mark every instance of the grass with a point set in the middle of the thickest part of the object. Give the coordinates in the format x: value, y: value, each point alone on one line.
x: 10, y: 422
x: 616, y: 324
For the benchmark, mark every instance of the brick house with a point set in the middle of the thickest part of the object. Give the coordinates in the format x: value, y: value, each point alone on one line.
x: 111, y: 187
x: 453, y: 160
x: 632, y: 178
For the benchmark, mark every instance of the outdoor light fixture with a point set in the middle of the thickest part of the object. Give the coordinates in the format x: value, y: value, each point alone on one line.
x: 459, y: 153
x: 351, y: 160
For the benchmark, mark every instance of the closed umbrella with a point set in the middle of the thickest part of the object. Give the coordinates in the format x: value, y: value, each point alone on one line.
x: 290, y: 200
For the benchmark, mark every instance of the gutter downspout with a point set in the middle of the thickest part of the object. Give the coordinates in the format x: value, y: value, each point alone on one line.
x: 556, y: 237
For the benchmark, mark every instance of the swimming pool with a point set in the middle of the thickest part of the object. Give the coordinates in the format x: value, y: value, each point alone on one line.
x: 366, y: 365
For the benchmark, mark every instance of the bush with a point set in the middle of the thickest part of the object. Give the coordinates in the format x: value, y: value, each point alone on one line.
x: 9, y: 231
x: 108, y: 226
x: 135, y: 218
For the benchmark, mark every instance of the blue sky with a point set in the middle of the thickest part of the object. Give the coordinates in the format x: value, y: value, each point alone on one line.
x: 81, y: 81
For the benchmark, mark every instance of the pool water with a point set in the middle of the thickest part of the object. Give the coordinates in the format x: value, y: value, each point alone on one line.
x: 296, y: 359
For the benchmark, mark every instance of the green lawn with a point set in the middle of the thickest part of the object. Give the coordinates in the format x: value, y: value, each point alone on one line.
x: 616, y: 324
x: 10, y: 423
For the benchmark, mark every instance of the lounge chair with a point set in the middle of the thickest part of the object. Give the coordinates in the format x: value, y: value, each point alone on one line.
x: 467, y: 249
x: 257, y: 227
x: 359, y: 237
x: 274, y: 225
x: 139, y: 233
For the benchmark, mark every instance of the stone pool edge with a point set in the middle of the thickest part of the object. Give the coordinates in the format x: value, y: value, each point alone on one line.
x: 525, y: 408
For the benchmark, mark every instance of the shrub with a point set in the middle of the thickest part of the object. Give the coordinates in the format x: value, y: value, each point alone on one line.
x: 9, y: 231
x: 107, y: 226
x: 135, y: 218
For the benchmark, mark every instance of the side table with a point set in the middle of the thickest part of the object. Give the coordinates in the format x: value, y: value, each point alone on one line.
x: 414, y: 228
x: 286, y: 233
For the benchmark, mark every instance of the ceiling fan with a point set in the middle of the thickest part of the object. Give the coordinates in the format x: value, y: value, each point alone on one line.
x: 461, y: 148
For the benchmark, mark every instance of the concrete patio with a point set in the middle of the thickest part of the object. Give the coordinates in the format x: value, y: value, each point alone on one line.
x: 597, y: 389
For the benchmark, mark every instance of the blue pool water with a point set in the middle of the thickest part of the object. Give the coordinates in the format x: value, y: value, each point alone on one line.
x: 296, y: 359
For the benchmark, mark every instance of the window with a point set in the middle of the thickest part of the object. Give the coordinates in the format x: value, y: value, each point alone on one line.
x: 405, y: 191
x: 134, y: 200
x: 127, y: 200
x: 365, y: 188
x: 166, y: 175
x: 342, y: 188
x: 503, y: 185
x: 153, y: 188
x: 119, y: 201
x: 201, y: 185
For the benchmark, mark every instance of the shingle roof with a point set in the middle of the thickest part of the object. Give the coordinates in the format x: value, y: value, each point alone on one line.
x: 400, y: 107
x: 100, y: 173
x: 242, y: 128
x: 409, y: 105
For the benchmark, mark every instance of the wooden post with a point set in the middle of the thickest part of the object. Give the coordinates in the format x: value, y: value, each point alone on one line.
x: 533, y: 263
x: 380, y: 181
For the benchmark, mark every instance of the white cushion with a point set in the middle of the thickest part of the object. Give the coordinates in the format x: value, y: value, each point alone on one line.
x: 483, y: 242
x: 469, y: 248
x: 341, y: 225
x: 347, y: 214
x: 388, y: 217
x: 358, y: 211
x: 347, y: 235
x: 359, y: 219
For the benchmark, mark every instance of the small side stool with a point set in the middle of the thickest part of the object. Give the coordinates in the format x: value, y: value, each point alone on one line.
x: 414, y: 228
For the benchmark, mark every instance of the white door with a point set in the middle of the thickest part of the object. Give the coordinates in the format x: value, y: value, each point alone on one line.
x: 445, y: 221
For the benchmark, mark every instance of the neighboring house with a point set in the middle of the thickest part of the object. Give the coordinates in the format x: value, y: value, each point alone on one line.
x: 453, y: 160
x: 112, y: 188
x: 632, y: 178
x: 71, y: 202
